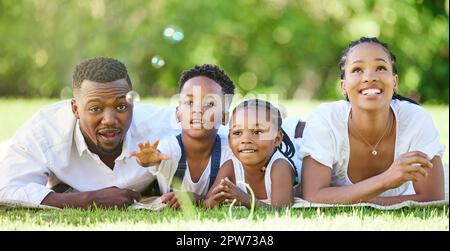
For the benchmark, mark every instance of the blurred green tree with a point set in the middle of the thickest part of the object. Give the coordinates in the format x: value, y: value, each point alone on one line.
x: 286, y: 47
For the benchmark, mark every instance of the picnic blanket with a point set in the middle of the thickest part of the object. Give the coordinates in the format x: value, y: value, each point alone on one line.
x: 155, y: 204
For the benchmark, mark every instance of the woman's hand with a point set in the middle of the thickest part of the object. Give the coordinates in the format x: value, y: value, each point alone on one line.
x: 409, y: 166
x: 149, y: 155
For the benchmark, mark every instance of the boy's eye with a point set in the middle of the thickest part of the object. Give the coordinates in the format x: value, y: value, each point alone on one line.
x: 257, y: 132
x: 236, y: 133
x: 356, y: 70
x: 95, y: 109
x: 122, y: 107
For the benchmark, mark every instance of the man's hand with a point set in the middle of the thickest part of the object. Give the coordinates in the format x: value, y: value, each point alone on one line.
x: 114, y: 197
x: 149, y: 155
x: 104, y: 198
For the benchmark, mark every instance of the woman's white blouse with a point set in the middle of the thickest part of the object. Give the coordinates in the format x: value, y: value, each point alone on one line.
x: 325, y: 138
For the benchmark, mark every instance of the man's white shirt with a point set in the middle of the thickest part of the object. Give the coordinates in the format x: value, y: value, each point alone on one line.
x: 50, y: 145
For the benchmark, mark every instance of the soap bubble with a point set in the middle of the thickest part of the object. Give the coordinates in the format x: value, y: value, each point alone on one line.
x: 133, y: 97
x: 173, y: 34
x: 158, y: 62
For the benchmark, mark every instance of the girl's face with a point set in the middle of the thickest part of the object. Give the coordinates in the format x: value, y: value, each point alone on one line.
x: 253, y: 138
x: 201, y: 106
x: 369, y: 81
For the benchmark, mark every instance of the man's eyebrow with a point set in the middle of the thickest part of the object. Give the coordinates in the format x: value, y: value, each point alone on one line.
x: 120, y: 97
x: 93, y: 100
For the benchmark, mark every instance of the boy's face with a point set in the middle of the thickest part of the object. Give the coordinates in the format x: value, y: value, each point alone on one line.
x: 253, y: 138
x: 201, y: 108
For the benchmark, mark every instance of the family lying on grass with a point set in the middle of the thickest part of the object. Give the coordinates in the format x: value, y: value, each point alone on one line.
x: 376, y: 146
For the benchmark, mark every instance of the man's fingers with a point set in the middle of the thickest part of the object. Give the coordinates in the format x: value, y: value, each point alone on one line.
x: 141, y: 147
x: 133, y: 154
x: 134, y: 195
x: 147, y: 143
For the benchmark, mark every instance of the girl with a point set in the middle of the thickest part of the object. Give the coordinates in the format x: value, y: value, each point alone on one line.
x: 255, y: 139
x: 376, y: 146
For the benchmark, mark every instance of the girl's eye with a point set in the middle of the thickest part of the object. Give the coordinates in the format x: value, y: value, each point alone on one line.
x: 357, y: 70
x: 381, y: 68
x: 210, y: 104
x: 122, y: 107
x: 95, y: 109
x: 188, y: 102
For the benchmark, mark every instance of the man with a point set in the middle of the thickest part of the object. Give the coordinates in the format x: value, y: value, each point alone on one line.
x: 85, y: 144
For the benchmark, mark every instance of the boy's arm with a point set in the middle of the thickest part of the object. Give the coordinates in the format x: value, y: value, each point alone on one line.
x: 148, y: 155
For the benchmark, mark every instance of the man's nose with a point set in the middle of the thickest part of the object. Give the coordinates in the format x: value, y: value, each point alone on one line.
x: 109, y: 117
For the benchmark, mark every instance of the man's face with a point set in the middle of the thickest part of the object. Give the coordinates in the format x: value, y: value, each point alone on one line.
x: 104, y: 115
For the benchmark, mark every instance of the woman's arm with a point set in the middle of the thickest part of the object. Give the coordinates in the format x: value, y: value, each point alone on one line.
x: 427, y: 188
x: 316, y: 179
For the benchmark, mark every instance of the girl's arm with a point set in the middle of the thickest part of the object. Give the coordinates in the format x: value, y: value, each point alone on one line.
x: 316, y: 179
x: 215, y: 194
x: 282, y: 178
x: 427, y: 188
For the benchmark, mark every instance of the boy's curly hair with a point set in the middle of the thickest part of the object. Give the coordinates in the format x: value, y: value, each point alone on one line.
x: 210, y: 71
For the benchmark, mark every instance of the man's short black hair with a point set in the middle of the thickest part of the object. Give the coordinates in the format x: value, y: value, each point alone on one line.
x: 101, y: 70
x: 210, y: 71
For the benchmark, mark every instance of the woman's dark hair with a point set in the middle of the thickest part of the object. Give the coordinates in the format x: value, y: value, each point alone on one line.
x: 392, y: 57
x: 275, y: 117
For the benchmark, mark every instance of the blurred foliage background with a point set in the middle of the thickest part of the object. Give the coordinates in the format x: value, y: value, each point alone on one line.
x: 286, y: 47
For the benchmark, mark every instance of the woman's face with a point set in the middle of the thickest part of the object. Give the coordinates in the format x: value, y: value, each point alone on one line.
x: 369, y: 81
x: 253, y: 138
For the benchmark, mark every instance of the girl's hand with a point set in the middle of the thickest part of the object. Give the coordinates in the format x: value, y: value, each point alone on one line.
x: 217, y: 196
x: 234, y: 192
x: 149, y: 155
x: 409, y: 166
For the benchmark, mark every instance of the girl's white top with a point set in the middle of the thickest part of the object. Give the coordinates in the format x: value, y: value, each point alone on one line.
x: 240, y: 177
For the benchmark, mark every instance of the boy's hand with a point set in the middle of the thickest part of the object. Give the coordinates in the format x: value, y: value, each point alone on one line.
x: 170, y: 199
x: 149, y: 155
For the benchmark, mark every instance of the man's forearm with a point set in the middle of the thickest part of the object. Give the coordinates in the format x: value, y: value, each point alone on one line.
x: 60, y: 200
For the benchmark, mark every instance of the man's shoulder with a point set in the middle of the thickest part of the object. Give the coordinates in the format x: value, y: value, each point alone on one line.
x: 52, y: 123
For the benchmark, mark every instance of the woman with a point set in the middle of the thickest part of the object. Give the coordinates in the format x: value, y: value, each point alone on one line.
x: 374, y: 147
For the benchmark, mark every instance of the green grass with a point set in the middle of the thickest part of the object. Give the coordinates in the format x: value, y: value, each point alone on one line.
x: 357, y: 218
x: 14, y: 112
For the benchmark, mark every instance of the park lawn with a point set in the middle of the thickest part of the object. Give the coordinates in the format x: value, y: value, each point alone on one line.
x: 14, y: 112
x: 340, y: 218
